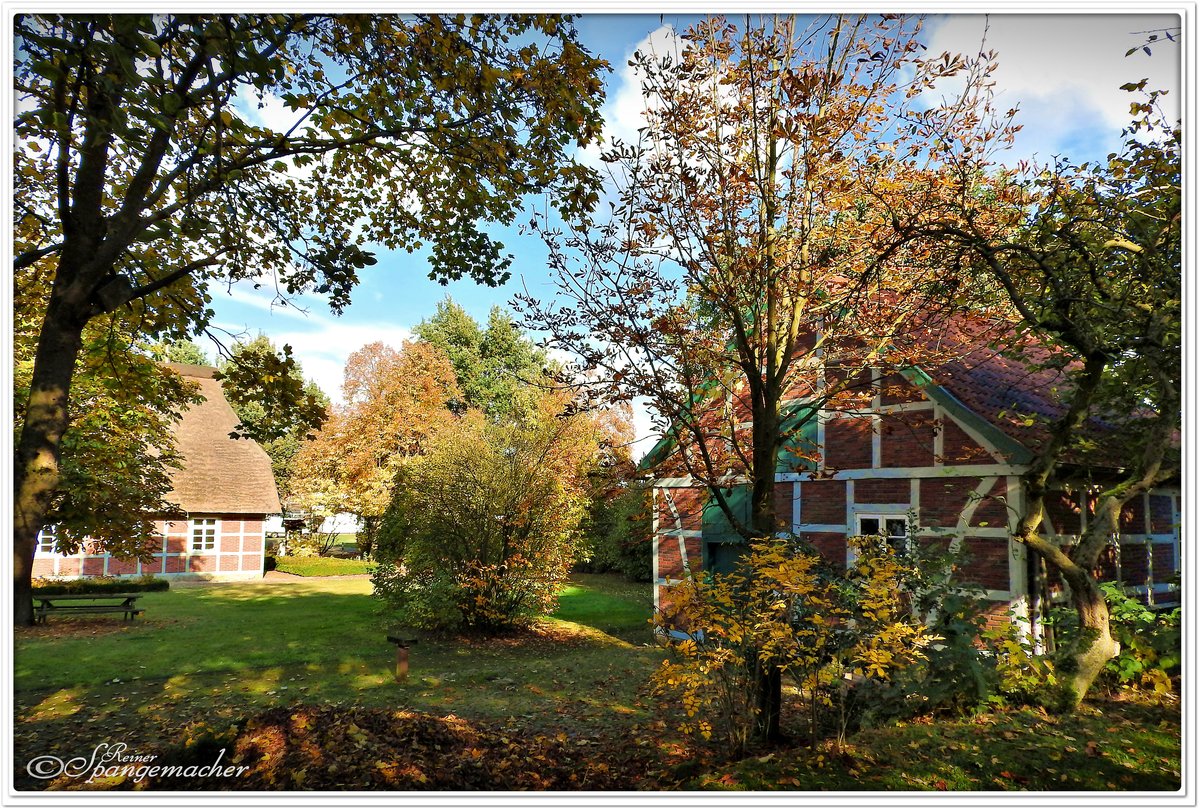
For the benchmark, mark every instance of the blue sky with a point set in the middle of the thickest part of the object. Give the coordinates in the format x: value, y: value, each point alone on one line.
x: 1063, y: 70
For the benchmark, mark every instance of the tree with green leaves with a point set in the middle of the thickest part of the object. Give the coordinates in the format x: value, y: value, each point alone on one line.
x: 180, y: 351
x: 119, y: 451
x: 395, y: 402
x: 752, y: 242
x: 1092, y: 267
x: 495, y: 365
x: 146, y: 171
x: 283, y: 426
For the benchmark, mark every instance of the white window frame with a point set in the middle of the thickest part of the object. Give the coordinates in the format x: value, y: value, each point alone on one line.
x: 203, y: 524
x: 48, y: 532
x: 883, y: 518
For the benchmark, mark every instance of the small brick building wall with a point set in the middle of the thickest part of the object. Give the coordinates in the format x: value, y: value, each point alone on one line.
x: 237, y: 553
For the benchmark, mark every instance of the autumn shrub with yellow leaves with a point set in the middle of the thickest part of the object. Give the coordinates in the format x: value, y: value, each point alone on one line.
x: 784, y: 608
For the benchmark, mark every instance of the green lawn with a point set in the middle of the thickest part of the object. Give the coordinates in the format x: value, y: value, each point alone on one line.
x: 321, y: 566
x: 220, y: 653
x: 1105, y: 746
x: 609, y: 604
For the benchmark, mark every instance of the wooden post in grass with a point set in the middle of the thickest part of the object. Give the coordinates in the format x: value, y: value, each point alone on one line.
x: 402, y: 641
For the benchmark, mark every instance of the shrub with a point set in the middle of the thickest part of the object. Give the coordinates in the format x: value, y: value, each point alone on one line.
x: 1150, y: 641
x: 783, y: 609
x: 618, y: 534
x: 957, y: 674
x: 1023, y: 677
x: 483, y: 528
x: 145, y: 583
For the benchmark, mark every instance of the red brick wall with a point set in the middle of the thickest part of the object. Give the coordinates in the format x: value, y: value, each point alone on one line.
x: 119, y: 567
x: 943, y: 499
x: 1133, y: 517
x: 830, y: 545
x: 1063, y: 510
x: 849, y: 389
x: 1161, y: 517
x: 992, y: 511
x: 1133, y: 564
x: 823, y: 502
x: 882, y: 490
x: 848, y: 443
x: 784, y: 498
x: 959, y: 448
x: 689, y: 503
x: 895, y: 389
x: 235, y: 538
x: 997, y: 615
x: 987, y: 563
x: 670, y: 563
x: 1164, y: 562
x: 907, y: 439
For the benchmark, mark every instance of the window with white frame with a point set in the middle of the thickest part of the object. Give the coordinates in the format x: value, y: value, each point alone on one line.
x: 48, y: 539
x: 204, y: 534
x: 893, y: 528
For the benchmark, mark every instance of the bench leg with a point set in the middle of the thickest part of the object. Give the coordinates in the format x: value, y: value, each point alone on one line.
x: 401, y: 664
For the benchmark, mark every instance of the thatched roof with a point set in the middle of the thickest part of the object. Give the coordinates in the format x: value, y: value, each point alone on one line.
x: 220, y: 475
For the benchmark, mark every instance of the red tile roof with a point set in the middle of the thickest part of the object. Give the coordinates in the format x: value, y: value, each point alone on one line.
x: 1010, y: 380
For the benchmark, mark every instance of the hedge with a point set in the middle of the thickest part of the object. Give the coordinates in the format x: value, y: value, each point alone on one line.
x: 55, y: 587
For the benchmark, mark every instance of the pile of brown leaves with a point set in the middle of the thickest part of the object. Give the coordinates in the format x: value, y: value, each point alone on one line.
x: 332, y: 748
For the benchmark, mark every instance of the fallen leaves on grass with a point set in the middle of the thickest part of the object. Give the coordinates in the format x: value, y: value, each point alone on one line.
x: 84, y: 627
x: 330, y: 748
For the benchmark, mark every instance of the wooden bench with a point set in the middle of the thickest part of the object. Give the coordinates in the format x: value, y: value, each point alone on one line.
x: 69, y: 604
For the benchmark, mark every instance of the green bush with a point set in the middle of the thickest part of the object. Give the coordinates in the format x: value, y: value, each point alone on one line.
x: 47, y: 587
x: 617, y: 532
x: 483, y: 530
x: 1023, y: 677
x: 1149, y: 639
x: 956, y: 674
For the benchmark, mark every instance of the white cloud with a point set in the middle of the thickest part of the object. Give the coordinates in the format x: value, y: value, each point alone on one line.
x: 645, y: 436
x: 267, y: 110
x: 1065, y: 72
x: 625, y: 109
x: 321, y: 343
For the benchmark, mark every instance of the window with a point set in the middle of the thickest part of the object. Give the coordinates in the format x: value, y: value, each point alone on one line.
x: 892, y: 528
x: 47, y: 539
x: 204, y: 534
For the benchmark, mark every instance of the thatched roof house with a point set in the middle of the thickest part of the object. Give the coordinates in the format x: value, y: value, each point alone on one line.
x: 220, y: 474
x: 224, y: 491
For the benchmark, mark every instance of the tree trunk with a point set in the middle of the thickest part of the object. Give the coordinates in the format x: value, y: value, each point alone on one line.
x: 762, y: 520
x: 36, y: 461
x: 1097, y: 646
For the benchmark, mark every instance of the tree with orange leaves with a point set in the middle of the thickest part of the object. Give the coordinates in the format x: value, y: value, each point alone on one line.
x: 755, y: 237
x: 395, y: 400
